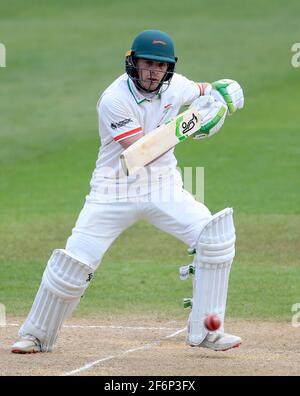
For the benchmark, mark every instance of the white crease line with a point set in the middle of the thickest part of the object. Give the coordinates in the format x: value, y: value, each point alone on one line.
x: 141, y: 348
x: 119, y: 327
x: 176, y: 332
x: 87, y: 366
x: 103, y: 327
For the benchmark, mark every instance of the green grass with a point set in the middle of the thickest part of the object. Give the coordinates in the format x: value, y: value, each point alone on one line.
x: 60, y: 56
x: 143, y: 277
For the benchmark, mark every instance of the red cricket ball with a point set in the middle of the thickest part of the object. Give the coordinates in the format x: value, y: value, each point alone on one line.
x: 212, y: 322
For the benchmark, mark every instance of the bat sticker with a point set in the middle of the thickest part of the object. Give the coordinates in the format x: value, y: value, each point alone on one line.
x: 182, y: 128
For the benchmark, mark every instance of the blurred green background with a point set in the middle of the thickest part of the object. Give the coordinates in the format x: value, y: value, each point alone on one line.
x: 60, y: 56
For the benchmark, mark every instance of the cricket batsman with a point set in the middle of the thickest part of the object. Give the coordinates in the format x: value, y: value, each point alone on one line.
x: 146, y: 96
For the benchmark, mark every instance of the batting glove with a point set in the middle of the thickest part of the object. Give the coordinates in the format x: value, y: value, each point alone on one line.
x: 212, y: 113
x: 230, y: 93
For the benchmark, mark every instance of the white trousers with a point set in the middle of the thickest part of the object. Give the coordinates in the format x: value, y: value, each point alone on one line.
x: 99, y: 224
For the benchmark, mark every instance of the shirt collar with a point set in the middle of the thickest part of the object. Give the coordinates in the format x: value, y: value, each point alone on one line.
x: 139, y: 98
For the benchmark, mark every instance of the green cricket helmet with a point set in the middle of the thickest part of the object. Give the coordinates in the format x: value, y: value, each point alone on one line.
x: 152, y: 45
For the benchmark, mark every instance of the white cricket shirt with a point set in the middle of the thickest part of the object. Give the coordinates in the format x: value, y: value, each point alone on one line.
x: 123, y: 112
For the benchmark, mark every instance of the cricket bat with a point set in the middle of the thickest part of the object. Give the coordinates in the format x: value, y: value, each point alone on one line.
x: 160, y: 140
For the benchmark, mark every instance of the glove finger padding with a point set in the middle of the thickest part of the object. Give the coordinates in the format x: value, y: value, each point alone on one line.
x: 231, y: 92
x: 212, y: 115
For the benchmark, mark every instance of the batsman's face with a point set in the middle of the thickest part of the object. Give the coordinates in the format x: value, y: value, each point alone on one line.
x: 151, y: 73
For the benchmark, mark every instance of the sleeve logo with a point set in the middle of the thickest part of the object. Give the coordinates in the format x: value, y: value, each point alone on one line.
x: 120, y: 124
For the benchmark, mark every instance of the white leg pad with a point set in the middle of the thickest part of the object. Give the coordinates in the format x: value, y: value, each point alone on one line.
x: 63, y: 284
x: 215, y: 251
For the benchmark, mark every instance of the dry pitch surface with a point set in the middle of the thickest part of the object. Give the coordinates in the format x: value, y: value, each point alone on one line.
x: 146, y: 346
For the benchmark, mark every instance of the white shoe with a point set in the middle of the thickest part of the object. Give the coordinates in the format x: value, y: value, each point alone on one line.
x: 27, y: 344
x: 218, y: 341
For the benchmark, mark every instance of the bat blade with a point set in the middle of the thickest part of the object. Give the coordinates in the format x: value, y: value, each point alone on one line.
x: 160, y: 140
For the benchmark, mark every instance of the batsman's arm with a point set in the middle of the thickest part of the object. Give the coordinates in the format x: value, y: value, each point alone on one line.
x: 118, y: 121
x: 130, y: 140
